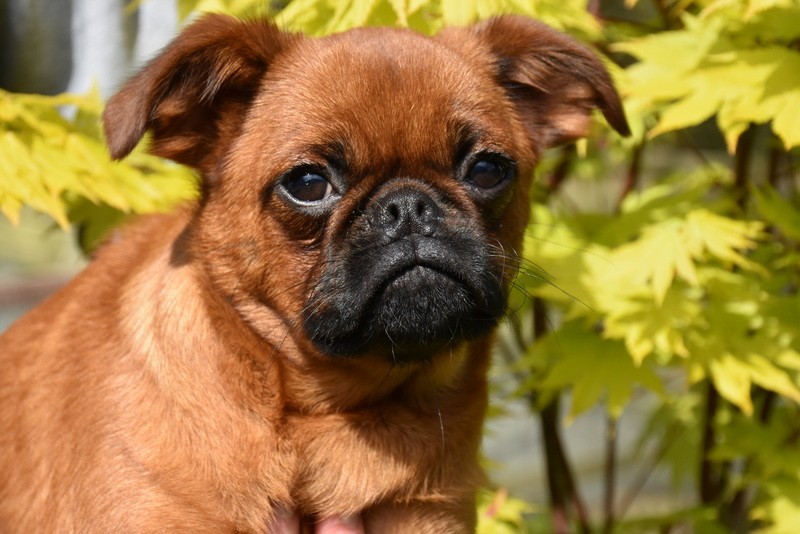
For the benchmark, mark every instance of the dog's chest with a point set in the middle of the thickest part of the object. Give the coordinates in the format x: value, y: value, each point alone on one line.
x: 347, y: 462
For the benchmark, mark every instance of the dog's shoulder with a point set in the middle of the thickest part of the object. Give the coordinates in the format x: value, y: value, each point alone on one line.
x: 95, y: 291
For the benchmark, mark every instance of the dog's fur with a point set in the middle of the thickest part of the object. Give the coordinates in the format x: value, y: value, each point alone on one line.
x: 253, y: 353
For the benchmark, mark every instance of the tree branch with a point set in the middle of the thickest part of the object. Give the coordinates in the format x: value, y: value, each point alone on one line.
x: 563, y: 492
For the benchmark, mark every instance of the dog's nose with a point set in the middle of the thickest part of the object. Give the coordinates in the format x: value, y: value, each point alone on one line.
x: 405, y: 211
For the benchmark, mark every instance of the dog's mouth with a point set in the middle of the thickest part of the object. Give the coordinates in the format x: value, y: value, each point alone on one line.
x: 415, y: 276
x: 420, y: 306
x: 407, y: 300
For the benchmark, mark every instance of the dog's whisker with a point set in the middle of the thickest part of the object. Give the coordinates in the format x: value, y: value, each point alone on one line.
x: 441, y: 426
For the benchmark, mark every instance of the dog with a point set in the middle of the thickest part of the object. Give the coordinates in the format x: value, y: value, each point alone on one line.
x: 310, y: 339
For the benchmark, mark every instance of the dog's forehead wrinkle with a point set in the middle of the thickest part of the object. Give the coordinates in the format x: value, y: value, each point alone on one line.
x: 400, y: 68
x: 401, y: 48
x: 366, y: 102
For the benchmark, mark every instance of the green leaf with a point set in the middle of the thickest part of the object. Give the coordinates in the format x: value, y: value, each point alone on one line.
x: 352, y: 14
x: 571, y: 16
x: 731, y: 124
x: 22, y: 179
x: 785, y: 124
x: 649, y: 326
x: 401, y: 10
x: 776, y: 25
x: 733, y: 380
x: 770, y: 377
x: 738, y: 346
x: 50, y: 163
x: 595, y: 368
x: 416, y: 5
x: 231, y: 7
x: 781, y: 510
x: 676, y: 51
x: 723, y: 238
x: 768, y: 82
x: 671, y: 248
x: 778, y: 211
x: 458, y: 12
x: 561, y: 266
x: 10, y: 207
x: 661, y: 253
x: 754, y: 7
x: 94, y: 222
x: 698, y: 106
x: 308, y: 16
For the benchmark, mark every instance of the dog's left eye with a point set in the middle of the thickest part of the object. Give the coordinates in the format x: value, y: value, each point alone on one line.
x: 308, y: 186
x: 487, y: 173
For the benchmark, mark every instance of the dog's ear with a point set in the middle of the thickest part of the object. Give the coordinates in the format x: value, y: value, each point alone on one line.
x: 553, y: 80
x: 195, y: 91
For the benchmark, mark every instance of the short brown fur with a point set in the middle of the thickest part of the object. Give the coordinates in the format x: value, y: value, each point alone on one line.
x: 172, y: 387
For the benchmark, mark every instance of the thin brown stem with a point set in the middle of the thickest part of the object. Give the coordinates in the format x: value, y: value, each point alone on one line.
x: 562, y: 490
x: 556, y: 483
x: 631, y: 175
x: 581, y: 513
x: 709, y: 478
x: 688, y: 143
x: 644, y: 474
x: 610, y: 468
x: 773, y: 165
x: 744, y: 150
x: 564, y: 495
x: 740, y: 503
x: 561, y: 171
x: 669, y: 21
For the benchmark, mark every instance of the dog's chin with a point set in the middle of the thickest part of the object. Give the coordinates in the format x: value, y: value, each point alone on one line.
x: 415, y: 314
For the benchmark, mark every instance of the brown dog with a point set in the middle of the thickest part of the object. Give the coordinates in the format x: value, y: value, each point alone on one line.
x: 313, y: 336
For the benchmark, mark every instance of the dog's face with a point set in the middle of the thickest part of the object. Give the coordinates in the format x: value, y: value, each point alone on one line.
x: 395, y: 182
x: 367, y: 190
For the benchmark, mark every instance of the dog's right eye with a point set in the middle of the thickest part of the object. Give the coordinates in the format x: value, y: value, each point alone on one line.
x: 308, y: 186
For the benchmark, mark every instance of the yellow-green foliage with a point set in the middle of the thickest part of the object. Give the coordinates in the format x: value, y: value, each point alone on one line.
x: 693, y: 273
x: 60, y: 166
x: 729, y: 61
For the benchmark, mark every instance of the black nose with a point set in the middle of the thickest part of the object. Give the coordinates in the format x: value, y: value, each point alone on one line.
x: 405, y: 211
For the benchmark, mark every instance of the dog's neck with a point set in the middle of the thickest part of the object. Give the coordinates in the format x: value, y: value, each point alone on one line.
x: 314, y: 383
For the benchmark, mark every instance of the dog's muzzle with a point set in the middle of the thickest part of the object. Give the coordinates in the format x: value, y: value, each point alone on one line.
x: 411, y: 276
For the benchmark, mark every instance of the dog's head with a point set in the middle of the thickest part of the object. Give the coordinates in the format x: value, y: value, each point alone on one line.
x: 369, y: 189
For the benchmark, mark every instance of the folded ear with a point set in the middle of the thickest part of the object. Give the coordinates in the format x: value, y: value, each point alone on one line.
x: 553, y: 80
x: 195, y: 91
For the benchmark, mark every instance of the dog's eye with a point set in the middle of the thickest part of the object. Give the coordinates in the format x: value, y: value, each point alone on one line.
x: 487, y: 173
x: 308, y: 187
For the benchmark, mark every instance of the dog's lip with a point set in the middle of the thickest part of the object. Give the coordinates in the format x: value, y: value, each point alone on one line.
x: 386, y: 282
x: 409, y: 271
x: 419, y: 252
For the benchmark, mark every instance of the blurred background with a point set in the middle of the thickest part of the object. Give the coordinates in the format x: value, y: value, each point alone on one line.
x: 51, y: 48
x: 647, y: 378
